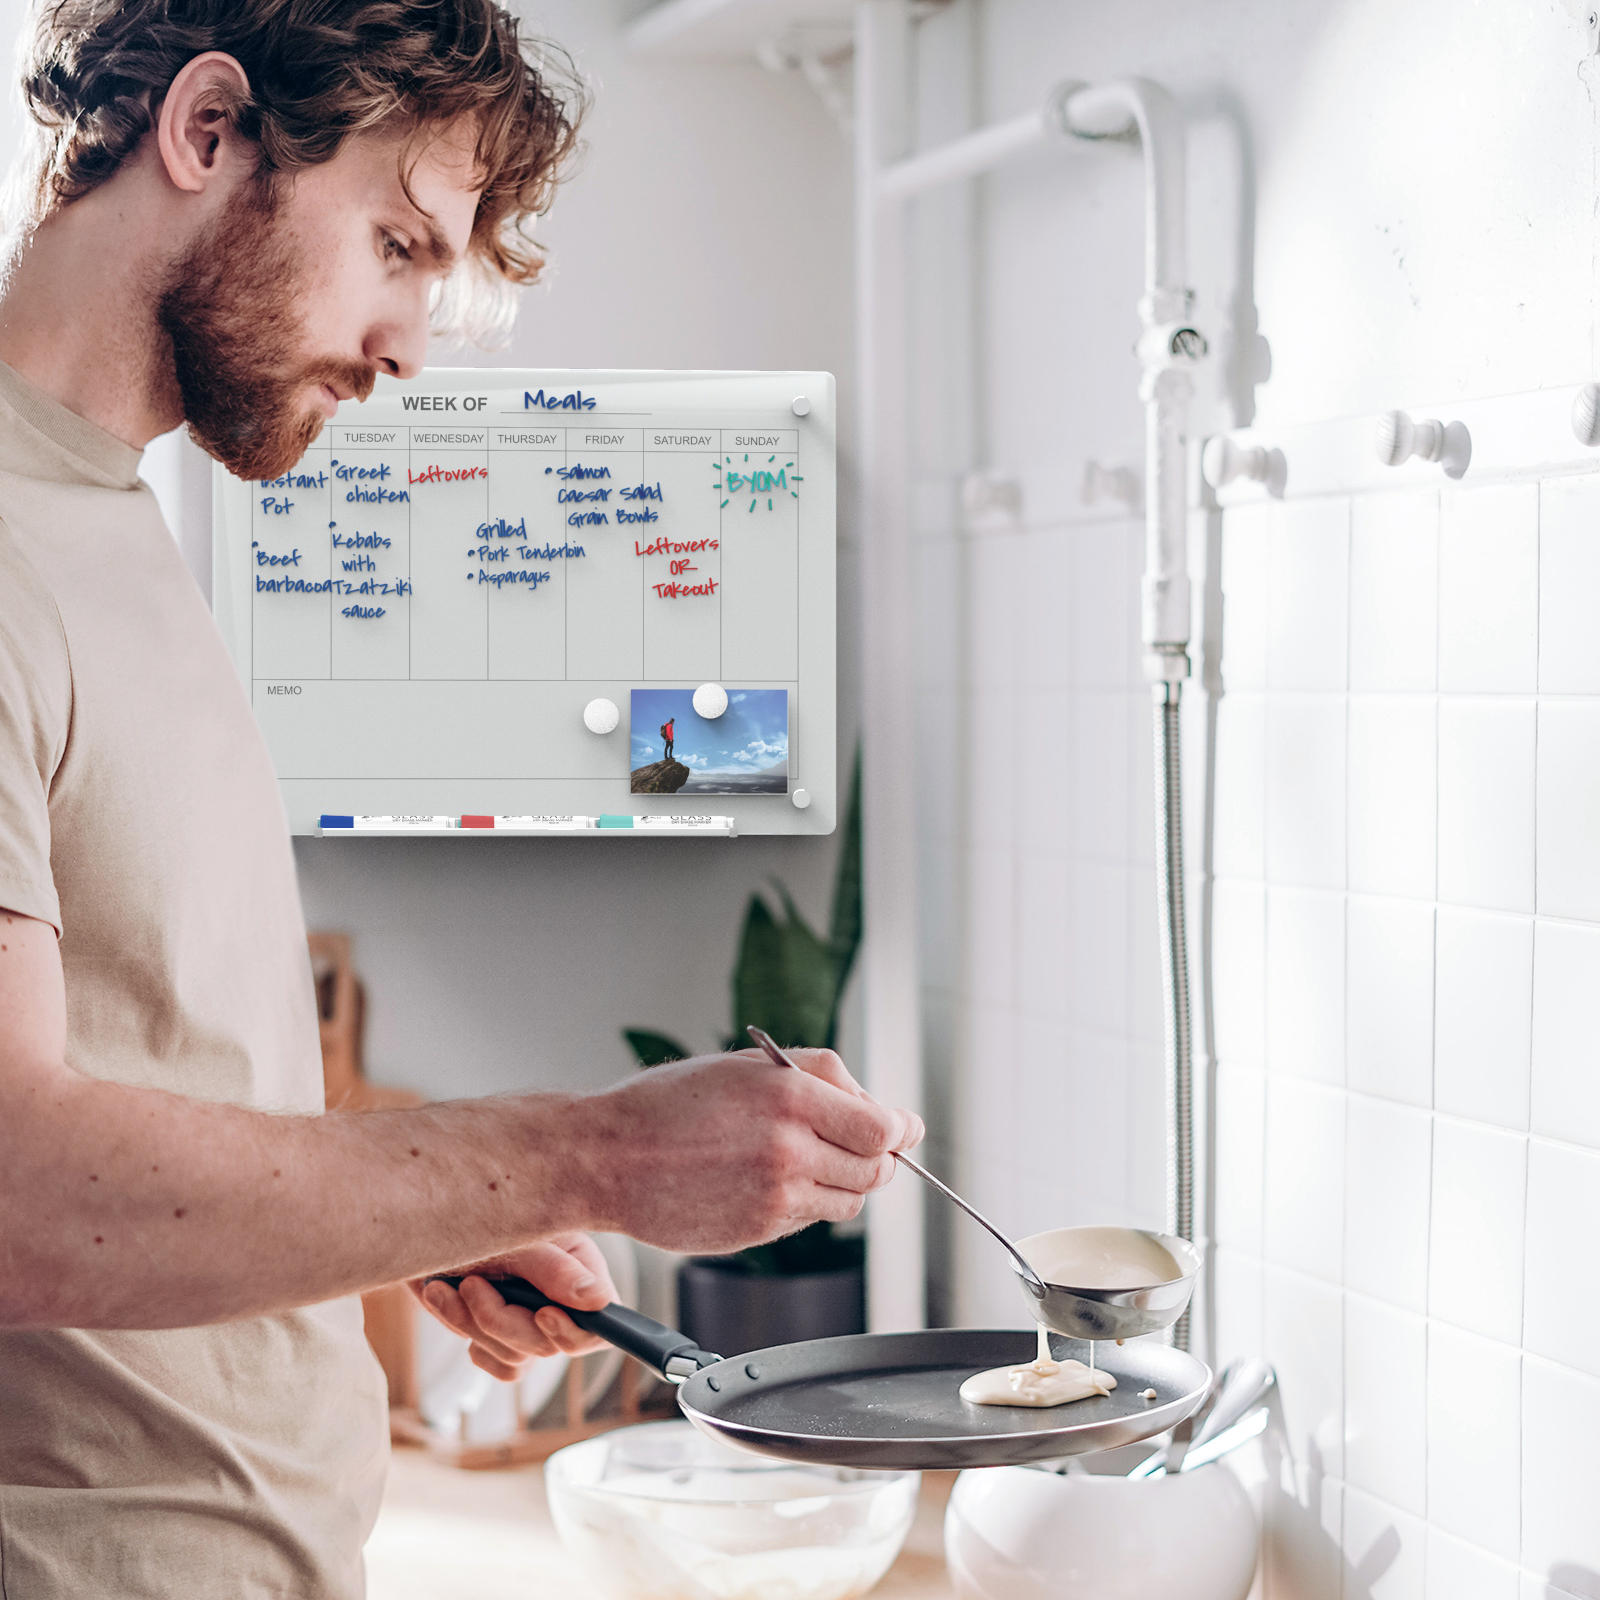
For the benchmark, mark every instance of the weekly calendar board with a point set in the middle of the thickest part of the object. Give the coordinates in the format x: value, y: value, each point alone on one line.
x: 463, y: 569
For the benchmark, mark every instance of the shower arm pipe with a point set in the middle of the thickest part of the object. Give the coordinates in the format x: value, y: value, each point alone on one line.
x: 1121, y: 110
x: 885, y: 180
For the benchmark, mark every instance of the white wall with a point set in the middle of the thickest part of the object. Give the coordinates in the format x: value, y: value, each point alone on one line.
x: 1406, y: 920
x: 1407, y: 917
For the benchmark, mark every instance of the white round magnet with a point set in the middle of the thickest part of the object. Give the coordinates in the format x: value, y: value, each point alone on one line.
x: 601, y: 716
x: 710, y: 700
x: 801, y: 798
x: 801, y: 406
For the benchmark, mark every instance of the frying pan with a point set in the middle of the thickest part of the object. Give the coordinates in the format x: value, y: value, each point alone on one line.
x: 888, y: 1400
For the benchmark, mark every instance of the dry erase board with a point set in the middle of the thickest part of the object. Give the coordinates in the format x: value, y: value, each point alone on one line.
x: 424, y: 608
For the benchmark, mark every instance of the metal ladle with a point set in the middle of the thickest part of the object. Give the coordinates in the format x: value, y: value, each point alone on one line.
x: 1035, y: 1283
x: 1080, y: 1313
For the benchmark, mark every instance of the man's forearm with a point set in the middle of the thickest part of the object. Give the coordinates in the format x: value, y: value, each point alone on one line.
x: 133, y: 1208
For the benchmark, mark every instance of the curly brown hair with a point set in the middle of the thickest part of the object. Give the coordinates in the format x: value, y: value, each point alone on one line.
x: 95, y: 72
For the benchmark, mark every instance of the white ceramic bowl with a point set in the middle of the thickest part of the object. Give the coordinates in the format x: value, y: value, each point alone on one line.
x: 1017, y: 1533
x: 660, y: 1512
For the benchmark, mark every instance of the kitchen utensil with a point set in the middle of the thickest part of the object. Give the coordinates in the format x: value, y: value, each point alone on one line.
x: 1080, y: 1313
x: 778, y: 1058
x: 659, y: 1511
x: 1241, y: 1387
x: 889, y: 1401
x: 1083, y: 1312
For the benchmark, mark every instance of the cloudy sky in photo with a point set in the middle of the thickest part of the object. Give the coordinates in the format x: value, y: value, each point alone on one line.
x: 750, y: 736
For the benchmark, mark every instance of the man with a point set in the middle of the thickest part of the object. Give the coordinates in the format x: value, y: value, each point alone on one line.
x: 240, y: 211
x: 666, y: 733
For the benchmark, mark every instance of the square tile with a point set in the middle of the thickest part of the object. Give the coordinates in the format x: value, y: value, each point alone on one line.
x: 1474, y: 1439
x: 1305, y: 983
x: 1566, y: 1043
x: 1386, y: 1403
x: 1304, y: 1340
x: 1099, y: 1089
x: 1104, y: 609
x: 991, y: 926
x: 1101, y: 791
x: 1308, y: 632
x: 1388, y: 1198
x: 1569, y: 578
x: 1241, y: 1133
x: 1304, y: 1219
x: 1394, y: 592
x: 1239, y: 970
x: 1305, y: 790
x: 1560, y: 1527
x: 1489, y: 589
x: 1385, y: 1550
x: 1480, y: 1180
x: 1486, y: 803
x: 1483, y: 1021
x: 1043, y: 934
x: 1461, y: 1571
x: 1240, y: 843
x: 1100, y: 947
x: 1569, y: 809
x: 1247, y: 534
x: 1561, y: 1305
x: 1239, y: 1292
x: 1389, y: 999
x: 1301, y: 1523
x: 1394, y: 795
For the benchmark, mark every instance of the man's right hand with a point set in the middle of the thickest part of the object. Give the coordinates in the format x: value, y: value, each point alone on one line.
x: 713, y: 1154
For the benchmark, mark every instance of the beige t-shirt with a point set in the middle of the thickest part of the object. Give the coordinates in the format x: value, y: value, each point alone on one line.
x: 139, y: 815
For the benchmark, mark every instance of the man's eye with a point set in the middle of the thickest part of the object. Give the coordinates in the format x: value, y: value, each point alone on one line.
x: 394, y: 250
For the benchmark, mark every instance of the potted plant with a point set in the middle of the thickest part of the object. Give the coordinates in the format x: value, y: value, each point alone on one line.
x: 788, y: 980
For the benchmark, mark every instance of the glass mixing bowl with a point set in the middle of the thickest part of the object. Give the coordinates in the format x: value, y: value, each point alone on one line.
x: 660, y: 1512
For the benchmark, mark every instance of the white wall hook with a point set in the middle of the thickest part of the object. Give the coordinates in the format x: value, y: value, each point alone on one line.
x: 1122, y: 484
x: 991, y: 499
x: 1397, y: 438
x: 1223, y: 460
x: 1586, y: 414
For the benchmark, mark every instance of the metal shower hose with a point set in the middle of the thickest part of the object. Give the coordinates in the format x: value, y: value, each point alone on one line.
x: 1174, y: 975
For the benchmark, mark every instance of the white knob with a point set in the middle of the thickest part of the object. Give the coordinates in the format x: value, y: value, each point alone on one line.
x: 710, y: 700
x: 1398, y: 438
x: 1586, y: 414
x: 801, y: 798
x: 601, y: 716
x: 800, y: 406
x: 1222, y: 461
x: 1110, y: 483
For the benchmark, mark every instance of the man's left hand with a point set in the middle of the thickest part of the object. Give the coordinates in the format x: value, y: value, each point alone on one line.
x: 567, y: 1267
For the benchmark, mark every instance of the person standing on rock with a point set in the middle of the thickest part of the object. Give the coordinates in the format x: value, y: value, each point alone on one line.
x: 666, y: 733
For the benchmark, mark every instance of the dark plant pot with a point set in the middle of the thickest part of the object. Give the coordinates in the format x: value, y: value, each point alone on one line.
x: 730, y: 1311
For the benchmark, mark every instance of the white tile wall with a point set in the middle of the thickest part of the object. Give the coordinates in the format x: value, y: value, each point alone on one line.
x: 1406, y: 965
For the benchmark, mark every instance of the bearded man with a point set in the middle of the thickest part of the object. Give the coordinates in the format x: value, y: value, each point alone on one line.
x: 238, y: 213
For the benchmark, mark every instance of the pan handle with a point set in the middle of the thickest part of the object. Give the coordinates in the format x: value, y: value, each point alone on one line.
x: 674, y: 1355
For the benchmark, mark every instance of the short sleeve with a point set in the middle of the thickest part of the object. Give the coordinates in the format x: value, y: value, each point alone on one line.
x: 35, y: 717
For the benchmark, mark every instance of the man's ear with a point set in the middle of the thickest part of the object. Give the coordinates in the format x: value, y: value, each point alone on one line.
x: 196, y: 127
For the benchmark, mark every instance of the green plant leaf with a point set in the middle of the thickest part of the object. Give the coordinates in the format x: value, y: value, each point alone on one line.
x: 845, y: 918
x: 654, y: 1049
x: 784, y: 979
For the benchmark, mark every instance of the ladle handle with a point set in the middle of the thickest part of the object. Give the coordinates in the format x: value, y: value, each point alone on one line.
x: 977, y: 1216
x: 674, y: 1355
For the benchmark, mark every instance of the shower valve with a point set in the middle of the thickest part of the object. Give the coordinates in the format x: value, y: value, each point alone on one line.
x: 1170, y: 344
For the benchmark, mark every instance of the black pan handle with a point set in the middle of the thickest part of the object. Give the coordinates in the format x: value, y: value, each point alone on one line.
x: 674, y: 1355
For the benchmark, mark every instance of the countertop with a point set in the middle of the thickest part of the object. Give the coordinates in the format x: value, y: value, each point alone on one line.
x: 445, y: 1534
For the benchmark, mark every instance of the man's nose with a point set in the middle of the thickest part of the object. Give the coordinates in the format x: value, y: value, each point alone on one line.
x: 398, y: 345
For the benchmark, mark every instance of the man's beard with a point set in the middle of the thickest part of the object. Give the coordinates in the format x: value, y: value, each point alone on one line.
x: 228, y: 309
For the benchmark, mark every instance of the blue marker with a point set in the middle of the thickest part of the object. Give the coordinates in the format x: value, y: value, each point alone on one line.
x: 336, y: 822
